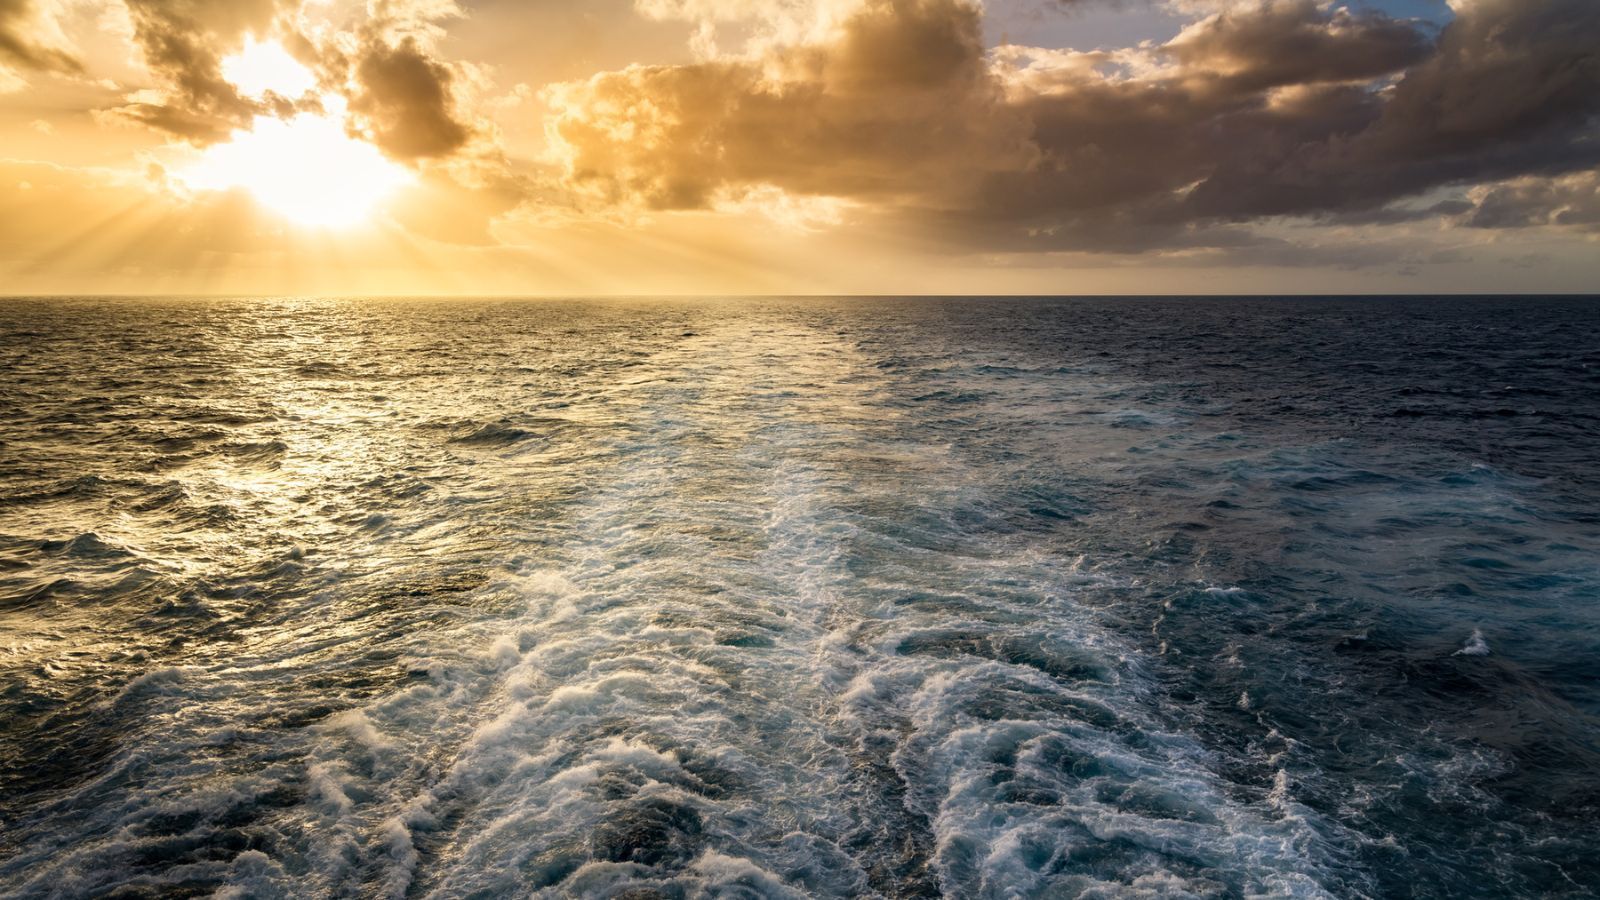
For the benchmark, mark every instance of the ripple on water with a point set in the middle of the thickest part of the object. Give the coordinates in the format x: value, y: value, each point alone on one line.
x: 798, y: 598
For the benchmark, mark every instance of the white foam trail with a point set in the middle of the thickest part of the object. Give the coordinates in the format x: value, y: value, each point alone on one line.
x: 733, y: 666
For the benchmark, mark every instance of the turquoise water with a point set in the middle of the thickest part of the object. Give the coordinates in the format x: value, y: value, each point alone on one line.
x: 992, y: 598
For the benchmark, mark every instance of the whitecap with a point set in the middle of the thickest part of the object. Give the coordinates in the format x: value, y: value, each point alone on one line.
x: 1475, y: 646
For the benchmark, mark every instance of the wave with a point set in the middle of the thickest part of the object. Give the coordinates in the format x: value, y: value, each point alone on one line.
x: 1475, y: 645
x: 491, y: 435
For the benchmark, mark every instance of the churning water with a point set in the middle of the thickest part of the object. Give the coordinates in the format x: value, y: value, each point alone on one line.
x: 901, y: 598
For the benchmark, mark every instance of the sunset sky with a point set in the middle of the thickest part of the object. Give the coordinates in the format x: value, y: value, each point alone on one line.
x: 798, y: 146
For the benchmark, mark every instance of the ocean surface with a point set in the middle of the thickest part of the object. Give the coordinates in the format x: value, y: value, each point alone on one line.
x: 779, y: 598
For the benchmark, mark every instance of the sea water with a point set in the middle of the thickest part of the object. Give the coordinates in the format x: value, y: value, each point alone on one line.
x: 778, y: 598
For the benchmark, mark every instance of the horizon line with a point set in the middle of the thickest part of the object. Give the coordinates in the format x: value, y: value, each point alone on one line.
x: 1284, y: 295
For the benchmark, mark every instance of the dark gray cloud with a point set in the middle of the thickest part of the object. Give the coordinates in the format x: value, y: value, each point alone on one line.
x: 1512, y: 88
x: 1296, y: 42
x: 1266, y: 109
x: 1572, y: 201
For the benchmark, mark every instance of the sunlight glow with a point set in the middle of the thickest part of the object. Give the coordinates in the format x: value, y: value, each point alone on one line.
x: 307, y: 169
x: 263, y: 67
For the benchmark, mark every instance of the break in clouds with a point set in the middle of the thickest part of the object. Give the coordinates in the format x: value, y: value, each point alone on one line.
x: 394, y: 82
x: 386, y: 68
x: 901, y: 111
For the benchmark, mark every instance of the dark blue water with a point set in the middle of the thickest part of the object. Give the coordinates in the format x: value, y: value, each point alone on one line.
x: 903, y: 598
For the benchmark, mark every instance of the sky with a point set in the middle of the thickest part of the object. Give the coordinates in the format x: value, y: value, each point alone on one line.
x: 642, y: 147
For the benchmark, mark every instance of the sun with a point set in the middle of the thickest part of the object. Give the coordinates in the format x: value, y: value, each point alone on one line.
x: 264, y: 66
x: 306, y: 168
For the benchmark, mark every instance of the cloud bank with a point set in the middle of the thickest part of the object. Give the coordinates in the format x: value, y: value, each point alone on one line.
x: 1270, y: 132
x: 1256, y: 111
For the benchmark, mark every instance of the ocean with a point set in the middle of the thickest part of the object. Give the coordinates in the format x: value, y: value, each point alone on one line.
x: 888, y: 597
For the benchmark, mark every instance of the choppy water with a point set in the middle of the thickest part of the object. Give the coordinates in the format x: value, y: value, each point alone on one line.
x: 891, y: 598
